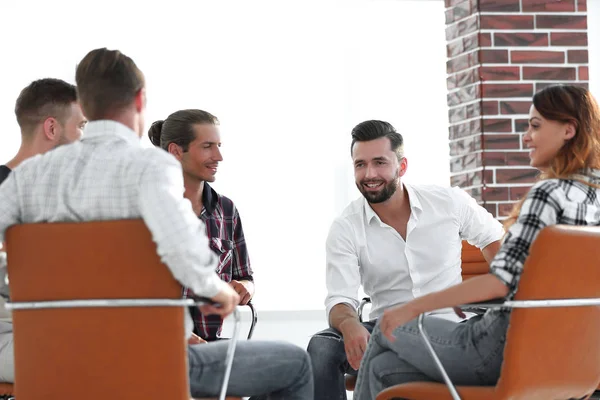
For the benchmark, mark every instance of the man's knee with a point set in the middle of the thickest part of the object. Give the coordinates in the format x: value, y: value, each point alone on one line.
x: 326, y: 348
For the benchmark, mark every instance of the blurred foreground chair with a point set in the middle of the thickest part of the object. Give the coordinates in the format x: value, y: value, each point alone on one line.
x: 95, y: 351
x: 552, y: 345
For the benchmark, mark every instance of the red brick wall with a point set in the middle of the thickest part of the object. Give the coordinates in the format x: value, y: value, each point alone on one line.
x: 500, y: 52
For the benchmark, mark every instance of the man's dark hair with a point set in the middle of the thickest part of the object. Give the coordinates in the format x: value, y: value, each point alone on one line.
x: 178, y: 128
x: 42, y: 99
x: 374, y: 129
x: 107, y: 81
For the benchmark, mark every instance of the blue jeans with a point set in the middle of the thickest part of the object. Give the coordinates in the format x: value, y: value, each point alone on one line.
x: 329, y: 363
x: 471, y: 352
x: 277, y: 370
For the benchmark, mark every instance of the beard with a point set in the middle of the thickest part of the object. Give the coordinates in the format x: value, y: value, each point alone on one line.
x: 384, y: 194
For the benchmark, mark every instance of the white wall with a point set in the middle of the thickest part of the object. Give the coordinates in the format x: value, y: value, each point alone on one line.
x: 288, y: 81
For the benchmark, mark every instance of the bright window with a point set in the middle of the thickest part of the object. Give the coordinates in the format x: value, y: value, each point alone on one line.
x: 288, y: 80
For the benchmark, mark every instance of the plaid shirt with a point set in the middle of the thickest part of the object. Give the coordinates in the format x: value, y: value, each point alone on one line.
x: 549, y: 202
x: 226, y: 239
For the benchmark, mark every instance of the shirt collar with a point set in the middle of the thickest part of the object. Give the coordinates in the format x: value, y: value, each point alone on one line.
x: 415, y: 205
x: 105, y: 128
x: 209, y: 198
x: 589, y: 175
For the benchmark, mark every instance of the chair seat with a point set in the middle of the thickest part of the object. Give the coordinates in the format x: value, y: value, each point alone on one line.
x: 6, y: 388
x: 436, y: 391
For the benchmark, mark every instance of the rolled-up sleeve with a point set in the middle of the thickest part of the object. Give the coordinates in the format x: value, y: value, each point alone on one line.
x: 477, y: 225
x: 180, y: 236
x: 342, y: 271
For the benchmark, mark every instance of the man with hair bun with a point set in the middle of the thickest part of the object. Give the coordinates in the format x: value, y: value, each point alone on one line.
x: 192, y: 136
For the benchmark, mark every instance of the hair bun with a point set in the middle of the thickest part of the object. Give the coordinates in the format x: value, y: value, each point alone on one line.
x: 155, y: 131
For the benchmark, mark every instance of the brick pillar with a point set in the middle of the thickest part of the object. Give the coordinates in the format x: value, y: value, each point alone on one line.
x: 500, y: 52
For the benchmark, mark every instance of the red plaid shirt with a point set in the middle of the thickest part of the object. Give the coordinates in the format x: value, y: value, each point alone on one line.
x: 226, y: 239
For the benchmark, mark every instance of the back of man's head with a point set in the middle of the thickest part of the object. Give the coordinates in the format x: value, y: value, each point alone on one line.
x: 107, y: 83
x: 43, y: 99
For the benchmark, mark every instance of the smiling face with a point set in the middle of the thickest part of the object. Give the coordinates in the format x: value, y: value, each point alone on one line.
x: 202, y: 158
x: 544, y: 138
x: 377, y: 170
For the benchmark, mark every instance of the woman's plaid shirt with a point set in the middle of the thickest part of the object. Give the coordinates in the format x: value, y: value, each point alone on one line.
x: 549, y: 202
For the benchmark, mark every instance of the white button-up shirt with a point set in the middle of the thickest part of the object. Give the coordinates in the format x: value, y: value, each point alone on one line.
x: 108, y: 175
x: 362, y: 250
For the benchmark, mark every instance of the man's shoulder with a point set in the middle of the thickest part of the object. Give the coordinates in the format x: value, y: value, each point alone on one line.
x: 157, y: 154
x: 354, y: 209
x: 225, y: 202
x: 351, y: 215
x: 436, y: 195
x: 155, y: 157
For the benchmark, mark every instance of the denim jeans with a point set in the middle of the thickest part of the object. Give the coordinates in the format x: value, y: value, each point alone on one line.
x: 329, y: 363
x: 470, y: 351
x: 277, y: 370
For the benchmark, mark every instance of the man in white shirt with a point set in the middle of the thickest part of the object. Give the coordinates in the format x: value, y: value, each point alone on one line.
x: 398, y: 241
x: 108, y: 175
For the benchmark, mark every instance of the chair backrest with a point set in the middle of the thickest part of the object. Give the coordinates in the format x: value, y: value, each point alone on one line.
x: 94, y: 353
x: 554, y: 353
x: 473, y: 262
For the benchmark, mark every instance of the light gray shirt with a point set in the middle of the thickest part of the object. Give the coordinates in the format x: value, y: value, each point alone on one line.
x: 108, y: 175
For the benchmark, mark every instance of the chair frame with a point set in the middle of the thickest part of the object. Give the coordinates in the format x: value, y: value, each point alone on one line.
x: 585, y: 302
x: 254, y: 319
x: 39, y: 305
x: 363, y: 303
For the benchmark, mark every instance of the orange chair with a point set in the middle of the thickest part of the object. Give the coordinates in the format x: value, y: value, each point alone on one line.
x: 94, y: 353
x: 6, y: 390
x: 552, y: 346
x: 473, y: 264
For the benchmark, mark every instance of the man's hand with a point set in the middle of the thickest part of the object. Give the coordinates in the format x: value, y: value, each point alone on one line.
x: 195, y: 339
x: 227, y: 299
x: 243, y: 289
x: 356, y: 337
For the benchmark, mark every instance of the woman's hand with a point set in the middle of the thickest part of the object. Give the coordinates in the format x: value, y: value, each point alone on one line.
x: 397, y: 316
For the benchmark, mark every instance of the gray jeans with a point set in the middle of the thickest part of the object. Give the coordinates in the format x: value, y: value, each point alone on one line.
x: 277, y: 370
x: 329, y: 363
x: 470, y: 351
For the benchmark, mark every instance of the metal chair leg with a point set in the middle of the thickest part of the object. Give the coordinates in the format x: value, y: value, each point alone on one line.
x: 435, y: 357
x: 230, y: 353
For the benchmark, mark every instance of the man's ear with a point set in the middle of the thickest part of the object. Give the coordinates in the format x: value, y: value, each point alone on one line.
x: 175, y: 150
x: 403, y: 167
x: 49, y: 127
x: 140, y: 100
